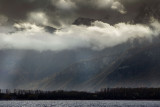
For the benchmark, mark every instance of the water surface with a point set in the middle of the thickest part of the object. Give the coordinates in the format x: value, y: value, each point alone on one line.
x: 79, y: 103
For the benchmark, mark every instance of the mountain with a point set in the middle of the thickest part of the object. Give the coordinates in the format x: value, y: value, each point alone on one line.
x: 83, y: 21
x: 81, y: 71
x: 116, y: 67
x: 138, y: 67
x: 50, y: 29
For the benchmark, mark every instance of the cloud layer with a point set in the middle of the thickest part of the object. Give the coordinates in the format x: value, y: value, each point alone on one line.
x: 111, y: 28
x: 98, y: 36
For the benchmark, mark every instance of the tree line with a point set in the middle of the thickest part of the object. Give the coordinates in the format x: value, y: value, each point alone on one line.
x: 103, y: 94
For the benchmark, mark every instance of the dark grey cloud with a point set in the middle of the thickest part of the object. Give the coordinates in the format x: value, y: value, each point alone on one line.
x: 142, y: 10
x: 63, y: 12
x: 18, y: 9
x: 58, y: 12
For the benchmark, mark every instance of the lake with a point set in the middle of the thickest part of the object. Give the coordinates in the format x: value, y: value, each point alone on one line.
x: 80, y: 103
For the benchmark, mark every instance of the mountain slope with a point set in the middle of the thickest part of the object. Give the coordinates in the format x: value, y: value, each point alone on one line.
x: 139, y: 69
x: 78, y: 73
x: 133, y: 67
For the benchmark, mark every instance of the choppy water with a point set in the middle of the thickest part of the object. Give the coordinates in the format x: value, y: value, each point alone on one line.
x: 79, y: 103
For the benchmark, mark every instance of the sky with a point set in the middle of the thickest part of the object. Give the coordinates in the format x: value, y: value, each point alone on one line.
x: 23, y: 23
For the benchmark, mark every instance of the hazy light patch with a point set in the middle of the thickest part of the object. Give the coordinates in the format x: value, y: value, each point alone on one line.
x: 3, y: 19
x: 64, y: 4
x: 119, y: 7
x: 11, y: 61
x: 38, y: 18
x: 9, y: 66
x: 104, y: 3
x: 113, y: 4
x: 6, y: 29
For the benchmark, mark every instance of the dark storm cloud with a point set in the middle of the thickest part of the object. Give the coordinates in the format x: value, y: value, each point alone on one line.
x: 142, y: 10
x: 58, y: 12
x: 62, y: 12
x: 18, y: 9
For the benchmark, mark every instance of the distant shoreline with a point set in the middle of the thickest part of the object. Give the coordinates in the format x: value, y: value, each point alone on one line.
x: 83, y: 100
x: 136, y: 94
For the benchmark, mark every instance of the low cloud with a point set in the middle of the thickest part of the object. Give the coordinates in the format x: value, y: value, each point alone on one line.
x: 97, y: 37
